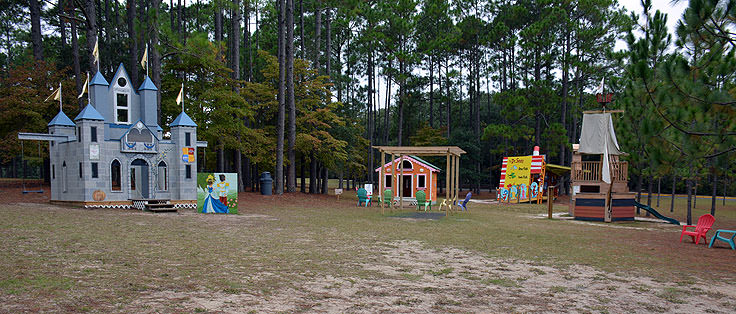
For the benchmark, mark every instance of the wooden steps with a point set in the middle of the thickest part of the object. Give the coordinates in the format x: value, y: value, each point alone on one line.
x: 159, y: 206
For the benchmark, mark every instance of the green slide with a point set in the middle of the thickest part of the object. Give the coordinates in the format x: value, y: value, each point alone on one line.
x: 656, y: 213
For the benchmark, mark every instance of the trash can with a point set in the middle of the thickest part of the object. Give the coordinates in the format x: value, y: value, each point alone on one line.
x: 266, y: 183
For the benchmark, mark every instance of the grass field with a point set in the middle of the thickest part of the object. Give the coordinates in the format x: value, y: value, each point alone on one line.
x: 302, y: 253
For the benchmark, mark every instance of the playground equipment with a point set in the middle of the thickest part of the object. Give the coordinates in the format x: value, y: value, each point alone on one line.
x: 464, y: 205
x: 599, y: 179
x: 705, y: 222
x: 23, y: 162
x: 656, y: 213
x: 523, y: 177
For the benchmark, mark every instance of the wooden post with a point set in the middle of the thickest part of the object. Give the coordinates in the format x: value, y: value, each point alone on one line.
x: 382, y: 180
x: 549, y: 202
x: 448, y: 178
x: 393, y: 180
x: 401, y: 182
x: 457, y: 177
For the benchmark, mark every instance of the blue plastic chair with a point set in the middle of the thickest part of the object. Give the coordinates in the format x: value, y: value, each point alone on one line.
x: 464, y: 205
x: 724, y: 239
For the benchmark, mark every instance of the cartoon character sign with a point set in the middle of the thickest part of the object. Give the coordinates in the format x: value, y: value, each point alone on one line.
x: 217, y: 193
x: 504, y: 195
x: 534, y: 189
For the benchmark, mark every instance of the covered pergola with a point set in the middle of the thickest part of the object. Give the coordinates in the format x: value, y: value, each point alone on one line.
x: 452, y: 153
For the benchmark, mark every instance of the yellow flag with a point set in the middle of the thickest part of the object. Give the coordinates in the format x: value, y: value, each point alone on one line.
x: 96, y: 52
x: 84, y: 87
x: 180, y: 98
x: 144, y: 60
x: 55, y: 95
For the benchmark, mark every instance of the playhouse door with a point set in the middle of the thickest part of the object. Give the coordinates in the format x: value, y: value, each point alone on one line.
x: 406, y: 186
x: 139, y: 179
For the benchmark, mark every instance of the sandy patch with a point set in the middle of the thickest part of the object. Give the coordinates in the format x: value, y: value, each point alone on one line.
x: 409, y: 277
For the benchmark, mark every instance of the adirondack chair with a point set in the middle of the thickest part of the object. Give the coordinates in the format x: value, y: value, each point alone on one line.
x: 388, y: 197
x: 447, y: 203
x: 363, y: 197
x: 422, y: 201
x: 705, y: 222
x: 464, y: 205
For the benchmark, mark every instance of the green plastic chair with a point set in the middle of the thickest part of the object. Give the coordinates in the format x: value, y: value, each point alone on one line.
x: 422, y: 201
x: 388, y: 197
x: 363, y: 197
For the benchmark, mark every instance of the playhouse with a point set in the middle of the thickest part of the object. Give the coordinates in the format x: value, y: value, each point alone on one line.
x: 413, y: 174
x: 599, y: 179
x: 114, y: 153
x: 524, y: 178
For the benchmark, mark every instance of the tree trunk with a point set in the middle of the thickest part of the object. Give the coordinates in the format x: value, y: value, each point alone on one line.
x: 689, y: 184
x: 713, y: 200
x: 695, y: 190
x: 246, y: 39
x: 281, y: 99
x: 133, y: 42
x: 75, y: 61
x: 402, y: 86
x: 218, y: 21
x: 328, y: 43
x: 565, y: 91
x: 447, y: 95
x: 291, y: 173
x: 312, y: 173
x: 155, y: 57
x: 325, y: 180
x: 302, y: 168
x: 649, y: 192
x: 302, y: 47
x: 220, y: 156
x: 638, y: 191
x: 387, y: 109
x: 91, y: 35
x: 659, y: 190
x: 317, y: 33
x: 36, y: 30
x: 431, y: 92
x: 672, y: 200
x: 62, y: 28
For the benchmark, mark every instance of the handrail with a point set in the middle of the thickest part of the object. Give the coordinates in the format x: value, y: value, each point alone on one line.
x: 590, y: 171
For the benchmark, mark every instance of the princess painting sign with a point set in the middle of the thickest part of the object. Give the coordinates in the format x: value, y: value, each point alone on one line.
x: 217, y: 193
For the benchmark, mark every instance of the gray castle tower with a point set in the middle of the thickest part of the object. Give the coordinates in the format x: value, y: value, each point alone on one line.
x: 114, y: 153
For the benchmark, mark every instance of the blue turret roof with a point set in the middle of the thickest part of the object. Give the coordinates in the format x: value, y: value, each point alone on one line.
x: 183, y: 120
x: 62, y: 120
x: 147, y: 85
x: 98, y: 79
x: 89, y: 113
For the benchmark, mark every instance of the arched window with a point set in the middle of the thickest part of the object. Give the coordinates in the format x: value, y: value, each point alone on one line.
x: 63, y: 177
x: 406, y: 164
x: 115, y: 176
x: 163, y: 177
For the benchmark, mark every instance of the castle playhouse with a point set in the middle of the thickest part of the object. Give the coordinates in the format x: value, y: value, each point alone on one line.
x: 598, y: 178
x: 114, y: 155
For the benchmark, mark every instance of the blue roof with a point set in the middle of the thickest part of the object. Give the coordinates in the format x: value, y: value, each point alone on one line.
x: 98, y: 79
x: 62, y: 120
x: 147, y: 85
x: 158, y: 128
x: 89, y: 113
x: 183, y: 120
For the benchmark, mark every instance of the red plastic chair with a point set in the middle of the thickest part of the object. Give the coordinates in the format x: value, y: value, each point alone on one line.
x: 705, y: 222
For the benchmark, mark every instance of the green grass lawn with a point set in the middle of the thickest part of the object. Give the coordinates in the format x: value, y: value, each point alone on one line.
x: 102, y: 260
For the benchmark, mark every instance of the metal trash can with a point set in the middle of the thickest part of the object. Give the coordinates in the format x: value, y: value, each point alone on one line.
x: 266, y: 183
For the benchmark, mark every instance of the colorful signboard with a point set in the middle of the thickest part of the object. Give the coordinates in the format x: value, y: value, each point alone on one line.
x: 518, y: 182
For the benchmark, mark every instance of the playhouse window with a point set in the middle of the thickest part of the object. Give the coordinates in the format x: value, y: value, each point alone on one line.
x: 122, y: 114
x: 79, y: 134
x: 93, y: 134
x: 53, y: 172
x: 406, y: 164
x: 163, y: 176
x: 115, y: 175
x: 187, y: 139
x: 80, y: 170
x: 421, y: 181
x: 189, y: 171
x: 388, y: 181
x: 94, y: 170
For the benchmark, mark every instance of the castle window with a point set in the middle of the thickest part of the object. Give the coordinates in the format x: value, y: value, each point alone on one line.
x: 80, y: 170
x: 115, y: 175
x: 122, y: 106
x: 187, y: 139
x: 53, y: 171
x: 63, y: 177
x: 189, y: 171
x: 163, y: 176
x: 122, y: 82
x: 94, y: 170
x: 93, y: 134
x: 79, y: 134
